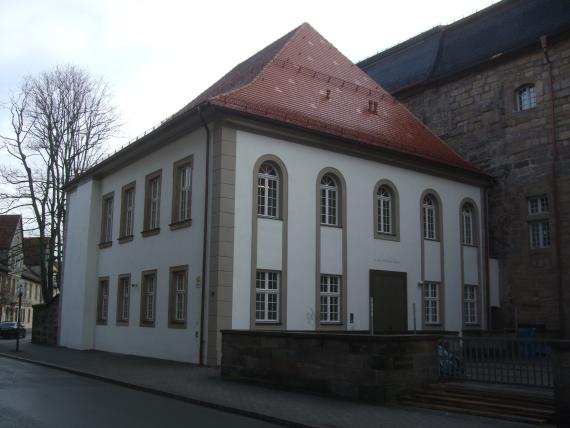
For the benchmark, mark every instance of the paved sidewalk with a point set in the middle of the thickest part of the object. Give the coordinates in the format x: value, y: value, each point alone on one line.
x: 203, y: 385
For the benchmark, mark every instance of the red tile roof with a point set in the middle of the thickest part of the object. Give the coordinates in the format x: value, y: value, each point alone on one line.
x: 301, y: 79
x: 8, y: 225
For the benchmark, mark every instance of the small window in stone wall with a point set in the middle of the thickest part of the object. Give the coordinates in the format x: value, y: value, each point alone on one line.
x: 525, y: 97
x: 539, y: 234
x: 538, y: 205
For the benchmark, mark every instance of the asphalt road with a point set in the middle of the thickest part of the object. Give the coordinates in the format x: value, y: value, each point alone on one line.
x: 33, y: 396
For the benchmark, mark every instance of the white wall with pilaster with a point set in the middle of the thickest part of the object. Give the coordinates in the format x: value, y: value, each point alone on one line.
x: 85, y: 263
x: 364, y: 252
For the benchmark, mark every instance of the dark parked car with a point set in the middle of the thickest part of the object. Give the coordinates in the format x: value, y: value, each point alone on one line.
x: 9, y: 330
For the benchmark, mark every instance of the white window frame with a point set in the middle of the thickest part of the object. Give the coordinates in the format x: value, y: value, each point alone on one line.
x: 184, y: 192
x: 267, y: 292
x: 149, y: 296
x: 104, y: 284
x: 526, y: 97
x: 430, y: 223
x: 467, y: 225
x: 329, y: 200
x: 108, y: 219
x: 125, y: 289
x: 268, y: 191
x: 154, y: 203
x: 470, y: 304
x: 330, y: 299
x: 129, y: 211
x: 385, y: 214
x: 180, y: 296
x: 432, y: 303
x: 539, y: 234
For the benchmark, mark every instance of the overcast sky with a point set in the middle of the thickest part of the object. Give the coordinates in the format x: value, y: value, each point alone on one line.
x: 157, y: 55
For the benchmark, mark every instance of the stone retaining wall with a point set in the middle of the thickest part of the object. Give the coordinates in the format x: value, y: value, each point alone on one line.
x: 44, y: 327
x: 363, y: 367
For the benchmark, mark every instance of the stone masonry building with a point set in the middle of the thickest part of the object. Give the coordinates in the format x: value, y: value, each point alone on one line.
x: 496, y: 87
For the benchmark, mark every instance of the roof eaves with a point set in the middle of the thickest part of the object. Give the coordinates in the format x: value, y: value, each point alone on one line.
x: 138, y: 144
x: 468, y: 169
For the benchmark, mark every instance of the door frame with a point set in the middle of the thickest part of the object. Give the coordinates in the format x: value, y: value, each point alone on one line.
x: 403, y: 275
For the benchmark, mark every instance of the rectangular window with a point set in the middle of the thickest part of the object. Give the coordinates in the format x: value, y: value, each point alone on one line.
x: 103, y: 301
x: 127, y: 210
x: 330, y: 299
x: 467, y: 218
x: 328, y: 206
x: 431, y: 303
x: 148, y: 298
x: 267, y: 195
x: 538, y: 205
x: 267, y: 290
x: 182, y: 191
x: 429, y: 223
x: 178, y: 296
x: 539, y: 232
x: 384, y: 216
x: 152, y: 202
x: 123, y: 298
x: 470, y: 304
x: 107, y: 219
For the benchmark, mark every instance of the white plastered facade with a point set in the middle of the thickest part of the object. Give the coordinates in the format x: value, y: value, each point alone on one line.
x: 85, y: 262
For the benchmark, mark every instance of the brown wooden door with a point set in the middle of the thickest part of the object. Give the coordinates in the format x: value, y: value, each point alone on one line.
x: 389, y: 293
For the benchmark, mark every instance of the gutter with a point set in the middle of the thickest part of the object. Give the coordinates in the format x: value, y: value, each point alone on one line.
x: 486, y: 261
x: 205, y: 239
x: 557, y: 223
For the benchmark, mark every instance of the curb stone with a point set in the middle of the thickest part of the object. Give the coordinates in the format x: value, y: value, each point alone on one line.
x: 171, y: 395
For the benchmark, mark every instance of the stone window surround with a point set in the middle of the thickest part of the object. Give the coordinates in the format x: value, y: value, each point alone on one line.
x: 518, y: 93
x: 436, y: 219
x: 470, y: 203
x: 172, y: 322
x: 476, y: 240
x: 147, y: 231
x: 120, y: 298
x: 537, y: 192
x: 395, y: 235
x: 341, y: 220
x: 441, y: 282
x: 103, y: 281
x: 143, y: 304
x: 477, y: 306
x: 283, y: 204
x: 176, y: 223
x: 123, y: 236
x: 104, y: 200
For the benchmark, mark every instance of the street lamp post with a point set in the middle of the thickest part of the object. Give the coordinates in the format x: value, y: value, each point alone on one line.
x: 20, y: 294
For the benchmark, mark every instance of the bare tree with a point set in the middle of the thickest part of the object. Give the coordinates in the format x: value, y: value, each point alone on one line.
x: 60, y: 121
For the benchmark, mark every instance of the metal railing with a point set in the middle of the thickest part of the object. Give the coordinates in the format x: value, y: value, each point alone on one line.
x: 517, y: 361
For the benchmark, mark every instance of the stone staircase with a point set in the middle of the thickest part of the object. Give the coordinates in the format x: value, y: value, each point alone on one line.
x: 516, y: 404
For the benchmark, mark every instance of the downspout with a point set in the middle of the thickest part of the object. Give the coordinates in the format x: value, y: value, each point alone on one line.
x: 205, y: 239
x: 488, y: 312
x: 561, y: 311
